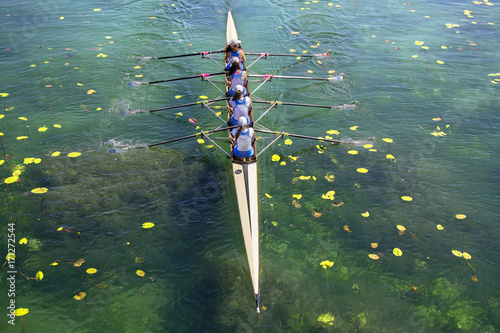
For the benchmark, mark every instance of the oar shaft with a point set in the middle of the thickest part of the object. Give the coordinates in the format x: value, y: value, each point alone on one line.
x: 187, y: 77
x: 265, y: 54
x: 190, y: 136
x: 192, y: 54
x: 331, y: 79
x: 298, y: 136
x: 296, y: 104
x: 188, y: 104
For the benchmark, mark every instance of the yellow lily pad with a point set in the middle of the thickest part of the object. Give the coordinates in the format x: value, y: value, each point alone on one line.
x: 20, y: 312
x: 148, y: 225
x: 397, y: 252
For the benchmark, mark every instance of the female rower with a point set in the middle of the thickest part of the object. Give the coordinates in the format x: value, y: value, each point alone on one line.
x: 237, y: 76
x: 234, y: 50
x: 242, y: 106
x: 244, y: 139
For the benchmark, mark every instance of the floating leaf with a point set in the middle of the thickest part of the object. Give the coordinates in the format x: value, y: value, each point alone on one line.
x: 11, y: 180
x: 24, y: 137
x: 332, y: 132
x: 390, y: 157
x: 362, y: 170
x: 23, y: 118
x: 39, y: 276
x: 457, y: 253
x: 39, y: 190
x: 326, y: 318
x: 42, y: 129
x: 460, y: 216
x: 4, y: 94
x: 465, y: 255
x: 56, y: 153
x: 327, y: 263
x: 353, y: 128
x: 288, y: 142
x: 19, y: 312
x: 374, y: 245
x: 406, y: 198
x: 353, y: 152
x: 55, y: 263
x: 178, y: 96
x: 140, y: 273
x: 397, y: 252
x: 10, y: 256
x: 267, y: 195
x: 57, y: 125
x: 23, y: 241
x: 330, y: 178
x: 347, y: 228
x: 337, y: 203
x: 74, y: 154
x: 91, y: 91
x: 330, y: 195
x: 439, y: 227
x: 81, y: 295
x: 387, y: 140
x: 147, y: 225
x: 440, y: 62
x: 203, y: 97
x: 400, y: 227
x: 79, y: 262
x: 316, y: 213
x: 297, y: 196
x: 374, y: 256
x: 200, y: 141
x: 365, y: 214
x: 91, y: 271
x: 367, y: 146
x: 275, y: 158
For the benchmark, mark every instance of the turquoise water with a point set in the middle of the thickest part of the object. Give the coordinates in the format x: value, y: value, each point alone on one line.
x: 196, y: 276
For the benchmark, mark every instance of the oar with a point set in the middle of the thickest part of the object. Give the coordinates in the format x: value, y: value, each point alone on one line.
x: 298, y: 136
x: 202, y: 75
x: 265, y: 54
x: 345, y: 106
x: 331, y: 79
x: 181, y: 55
x: 189, y: 136
x: 189, y: 104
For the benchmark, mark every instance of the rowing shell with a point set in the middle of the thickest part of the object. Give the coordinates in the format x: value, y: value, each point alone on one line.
x: 245, y: 181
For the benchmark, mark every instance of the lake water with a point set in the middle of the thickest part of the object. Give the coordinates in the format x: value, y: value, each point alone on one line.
x: 425, y: 75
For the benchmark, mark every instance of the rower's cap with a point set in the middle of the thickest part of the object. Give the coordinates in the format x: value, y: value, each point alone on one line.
x: 242, y: 121
x: 235, y: 41
x: 239, y: 88
x: 235, y: 60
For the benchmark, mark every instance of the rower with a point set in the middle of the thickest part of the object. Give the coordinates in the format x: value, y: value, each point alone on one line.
x: 242, y: 106
x: 237, y: 76
x: 234, y: 50
x: 244, y: 139
x: 232, y: 61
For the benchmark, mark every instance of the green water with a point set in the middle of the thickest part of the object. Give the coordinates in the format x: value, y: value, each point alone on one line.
x: 196, y: 276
